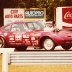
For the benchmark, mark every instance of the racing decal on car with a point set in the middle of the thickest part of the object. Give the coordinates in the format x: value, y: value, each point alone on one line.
x: 32, y: 38
x: 5, y: 34
x: 18, y: 37
x: 27, y: 43
x: 25, y: 36
x: 11, y: 39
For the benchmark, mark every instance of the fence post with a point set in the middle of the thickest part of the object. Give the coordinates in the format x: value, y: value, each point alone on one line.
x: 5, y: 62
x: 5, y: 52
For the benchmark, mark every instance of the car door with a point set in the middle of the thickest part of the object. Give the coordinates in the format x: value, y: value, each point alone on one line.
x: 34, y: 32
x: 14, y: 35
x: 35, y: 36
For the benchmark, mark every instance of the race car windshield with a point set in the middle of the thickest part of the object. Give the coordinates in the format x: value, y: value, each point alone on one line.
x: 34, y: 26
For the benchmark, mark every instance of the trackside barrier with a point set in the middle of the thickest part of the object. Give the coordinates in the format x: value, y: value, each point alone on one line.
x: 5, y: 57
x: 41, y: 57
x: 34, y: 57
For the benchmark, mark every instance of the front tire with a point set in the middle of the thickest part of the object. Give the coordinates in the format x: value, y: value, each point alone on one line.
x: 66, y: 47
x: 2, y: 42
x: 48, y: 44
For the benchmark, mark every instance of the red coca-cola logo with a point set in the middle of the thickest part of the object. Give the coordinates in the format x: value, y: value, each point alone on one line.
x: 67, y: 15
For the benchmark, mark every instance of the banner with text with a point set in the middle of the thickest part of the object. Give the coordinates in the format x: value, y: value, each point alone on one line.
x: 21, y: 14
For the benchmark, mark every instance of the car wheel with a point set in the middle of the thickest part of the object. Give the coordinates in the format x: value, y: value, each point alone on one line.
x: 66, y: 47
x: 2, y: 42
x: 21, y: 48
x: 48, y: 44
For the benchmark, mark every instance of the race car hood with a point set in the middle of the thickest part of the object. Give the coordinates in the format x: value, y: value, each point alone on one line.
x: 67, y: 35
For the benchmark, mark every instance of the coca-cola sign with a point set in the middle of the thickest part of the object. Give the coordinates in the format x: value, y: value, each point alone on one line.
x: 67, y: 15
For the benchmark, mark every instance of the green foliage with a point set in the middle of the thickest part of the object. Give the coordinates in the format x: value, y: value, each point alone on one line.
x: 50, y: 5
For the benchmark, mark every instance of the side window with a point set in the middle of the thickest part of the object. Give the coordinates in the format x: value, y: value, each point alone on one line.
x: 15, y: 28
x: 18, y: 27
x: 30, y: 26
x: 25, y: 27
x: 7, y: 28
x: 37, y: 26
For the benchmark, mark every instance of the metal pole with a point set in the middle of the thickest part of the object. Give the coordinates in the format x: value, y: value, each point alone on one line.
x: 5, y: 62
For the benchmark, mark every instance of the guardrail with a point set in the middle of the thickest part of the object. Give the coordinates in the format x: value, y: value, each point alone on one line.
x: 34, y: 57
x: 41, y: 57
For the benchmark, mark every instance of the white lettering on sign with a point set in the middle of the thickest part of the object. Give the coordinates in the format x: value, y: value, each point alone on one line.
x: 68, y: 15
x: 34, y: 14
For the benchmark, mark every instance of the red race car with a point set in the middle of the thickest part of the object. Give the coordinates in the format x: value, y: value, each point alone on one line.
x: 23, y: 34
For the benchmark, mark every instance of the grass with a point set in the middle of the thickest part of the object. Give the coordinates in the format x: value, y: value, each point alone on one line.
x: 38, y: 68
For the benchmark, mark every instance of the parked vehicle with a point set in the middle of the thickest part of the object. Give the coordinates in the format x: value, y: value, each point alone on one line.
x: 23, y: 34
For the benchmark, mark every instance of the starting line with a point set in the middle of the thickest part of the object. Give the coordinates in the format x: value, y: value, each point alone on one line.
x: 34, y: 57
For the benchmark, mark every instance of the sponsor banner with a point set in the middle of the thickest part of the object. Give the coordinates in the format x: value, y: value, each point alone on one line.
x: 34, y: 13
x: 63, y: 17
x: 21, y: 14
x: 67, y: 15
x: 12, y: 15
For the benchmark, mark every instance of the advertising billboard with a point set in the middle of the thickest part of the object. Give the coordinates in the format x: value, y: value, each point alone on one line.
x: 34, y: 13
x: 12, y: 15
x: 21, y: 14
x: 67, y: 15
x: 64, y: 17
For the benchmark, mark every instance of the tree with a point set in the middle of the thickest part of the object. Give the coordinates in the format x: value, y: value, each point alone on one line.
x: 50, y: 5
x: 5, y: 4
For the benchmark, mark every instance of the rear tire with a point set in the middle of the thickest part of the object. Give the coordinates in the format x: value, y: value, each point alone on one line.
x: 48, y: 44
x: 2, y: 42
